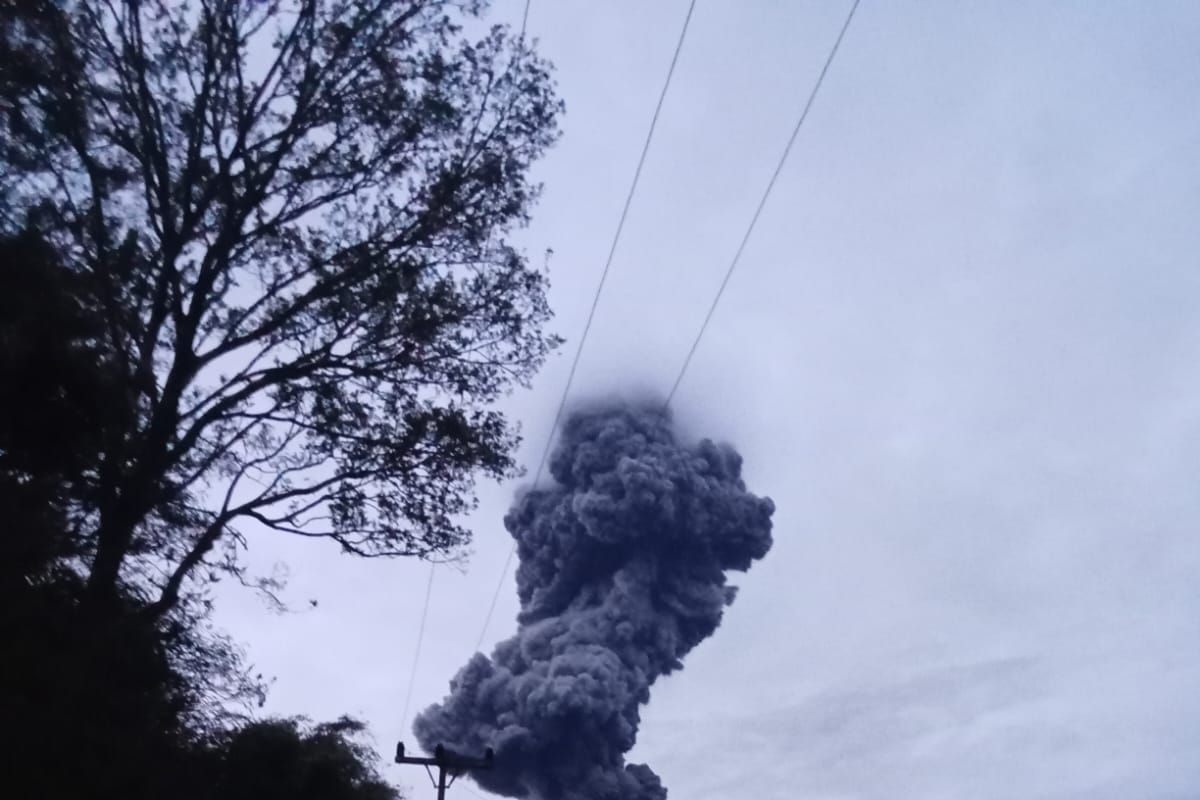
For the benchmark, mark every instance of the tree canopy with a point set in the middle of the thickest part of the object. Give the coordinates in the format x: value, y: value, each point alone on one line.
x: 281, y: 229
x: 98, y: 706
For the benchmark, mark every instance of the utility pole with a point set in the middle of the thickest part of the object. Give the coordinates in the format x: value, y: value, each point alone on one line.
x: 447, y: 762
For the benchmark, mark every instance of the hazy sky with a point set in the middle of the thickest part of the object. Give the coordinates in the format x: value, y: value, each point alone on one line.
x: 962, y: 354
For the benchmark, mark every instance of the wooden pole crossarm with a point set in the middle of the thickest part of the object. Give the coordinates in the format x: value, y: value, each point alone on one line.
x: 447, y: 762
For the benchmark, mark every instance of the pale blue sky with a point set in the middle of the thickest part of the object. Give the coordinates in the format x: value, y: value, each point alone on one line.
x: 962, y: 354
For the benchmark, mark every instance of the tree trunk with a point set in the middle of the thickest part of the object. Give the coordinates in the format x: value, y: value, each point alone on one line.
x: 113, y: 539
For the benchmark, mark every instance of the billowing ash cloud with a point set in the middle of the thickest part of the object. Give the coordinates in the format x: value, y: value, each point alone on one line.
x: 622, y: 572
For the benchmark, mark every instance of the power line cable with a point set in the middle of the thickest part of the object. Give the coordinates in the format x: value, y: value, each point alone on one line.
x: 412, y: 675
x: 612, y: 250
x: 737, y: 256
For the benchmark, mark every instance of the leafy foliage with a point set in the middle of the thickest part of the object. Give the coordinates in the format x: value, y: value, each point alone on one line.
x: 288, y: 222
x: 103, y: 707
x: 108, y: 705
x: 253, y: 275
x: 56, y: 398
x: 285, y: 759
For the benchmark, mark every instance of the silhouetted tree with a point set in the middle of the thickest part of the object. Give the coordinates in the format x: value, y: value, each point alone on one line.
x: 290, y: 220
x: 57, y: 397
x: 101, y: 705
x: 104, y: 693
x: 284, y: 759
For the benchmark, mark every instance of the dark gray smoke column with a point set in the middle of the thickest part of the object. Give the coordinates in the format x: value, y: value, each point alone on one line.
x: 622, y: 572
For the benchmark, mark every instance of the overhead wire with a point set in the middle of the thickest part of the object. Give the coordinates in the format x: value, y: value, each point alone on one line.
x: 737, y: 256
x: 412, y: 675
x: 735, y: 261
x: 612, y: 250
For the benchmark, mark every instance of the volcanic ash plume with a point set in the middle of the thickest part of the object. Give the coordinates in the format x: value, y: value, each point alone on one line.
x: 622, y: 572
